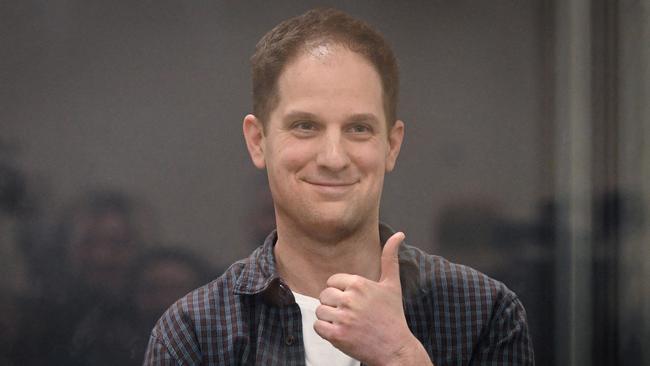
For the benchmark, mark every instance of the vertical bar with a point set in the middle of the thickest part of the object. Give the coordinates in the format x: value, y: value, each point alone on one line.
x: 644, y: 94
x: 634, y: 153
x: 573, y: 180
x: 606, y: 191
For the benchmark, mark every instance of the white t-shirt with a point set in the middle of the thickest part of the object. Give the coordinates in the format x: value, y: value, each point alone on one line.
x: 318, y: 352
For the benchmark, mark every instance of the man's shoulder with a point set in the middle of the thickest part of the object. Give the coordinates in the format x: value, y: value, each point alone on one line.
x: 467, y: 302
x: 205, y: 302
x: 455, y: 304
x: 449, y: 281
x: 182, y: 330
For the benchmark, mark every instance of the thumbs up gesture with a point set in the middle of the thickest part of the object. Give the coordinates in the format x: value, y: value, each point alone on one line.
x: 365, y: 319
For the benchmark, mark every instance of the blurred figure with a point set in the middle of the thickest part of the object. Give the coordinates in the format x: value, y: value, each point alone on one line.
x: 8, y: 326
x: 159, y: 278
x: 14, y: 216
x: 119, y: 335
x: 102, y: 242
x: 83, y: 274
x: 105, y: 336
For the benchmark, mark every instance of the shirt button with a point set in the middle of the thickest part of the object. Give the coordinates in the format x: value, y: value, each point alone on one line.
x: 289, y: 340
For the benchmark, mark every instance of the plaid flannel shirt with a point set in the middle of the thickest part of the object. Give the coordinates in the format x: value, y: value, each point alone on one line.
x: 248, y: 316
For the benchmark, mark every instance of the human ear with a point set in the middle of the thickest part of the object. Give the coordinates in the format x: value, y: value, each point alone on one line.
x: 395, y: 137
x: 254, y: 136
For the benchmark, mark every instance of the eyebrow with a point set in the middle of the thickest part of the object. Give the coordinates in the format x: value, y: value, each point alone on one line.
x: 369, y: 117
x: 296, y: 115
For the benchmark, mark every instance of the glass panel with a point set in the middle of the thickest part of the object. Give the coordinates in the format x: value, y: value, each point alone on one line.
x: 124, y: 180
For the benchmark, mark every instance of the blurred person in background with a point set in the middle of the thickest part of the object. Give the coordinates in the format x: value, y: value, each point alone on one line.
x: 82, y: 272
x: 119, y: 336
x: 101, y: 243
x: 9, y: 315
x: 15, y: 221
x: 159, y: 278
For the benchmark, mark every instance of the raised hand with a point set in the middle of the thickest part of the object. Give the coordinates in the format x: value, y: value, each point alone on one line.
x: 365, y: 319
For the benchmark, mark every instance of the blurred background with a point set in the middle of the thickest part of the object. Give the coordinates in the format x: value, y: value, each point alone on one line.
x: 125, y: 183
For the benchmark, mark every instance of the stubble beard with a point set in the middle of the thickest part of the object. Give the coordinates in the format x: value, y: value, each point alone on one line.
x: 322, y: 227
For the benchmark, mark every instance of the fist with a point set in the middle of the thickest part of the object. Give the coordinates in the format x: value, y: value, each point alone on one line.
x: 363, y: 318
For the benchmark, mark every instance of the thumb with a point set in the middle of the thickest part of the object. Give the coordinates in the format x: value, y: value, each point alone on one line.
x: 390, y: 260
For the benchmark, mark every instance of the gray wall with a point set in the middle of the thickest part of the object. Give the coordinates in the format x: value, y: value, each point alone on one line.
x: 148, y: 97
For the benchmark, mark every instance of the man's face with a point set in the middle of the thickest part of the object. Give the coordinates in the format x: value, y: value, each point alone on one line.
x: 105, y: 249
x: 326, y: 145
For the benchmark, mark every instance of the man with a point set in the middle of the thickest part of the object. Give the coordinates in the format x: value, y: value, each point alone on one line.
x: 332, y: 286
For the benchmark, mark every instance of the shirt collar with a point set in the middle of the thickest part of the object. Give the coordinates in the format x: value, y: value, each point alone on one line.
x: 260, y: 276
x: 259, y: 269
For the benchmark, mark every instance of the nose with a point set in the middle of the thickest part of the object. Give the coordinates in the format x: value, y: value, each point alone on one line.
x: 332, y: 155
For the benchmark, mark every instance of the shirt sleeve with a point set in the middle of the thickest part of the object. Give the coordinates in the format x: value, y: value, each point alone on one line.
x: 507, y: 342
x: 157, y: 354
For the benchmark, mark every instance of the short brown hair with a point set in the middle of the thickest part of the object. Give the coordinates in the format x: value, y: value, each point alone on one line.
x: 293, y: 36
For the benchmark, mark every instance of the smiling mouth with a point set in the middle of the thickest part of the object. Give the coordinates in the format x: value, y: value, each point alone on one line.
x: 330, y: 184
x: 333, y: 189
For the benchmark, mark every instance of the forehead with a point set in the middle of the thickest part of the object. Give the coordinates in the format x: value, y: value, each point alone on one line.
x: 327, y: 76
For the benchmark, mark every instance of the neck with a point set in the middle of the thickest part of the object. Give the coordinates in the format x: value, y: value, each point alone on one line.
x: 305, y: 262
